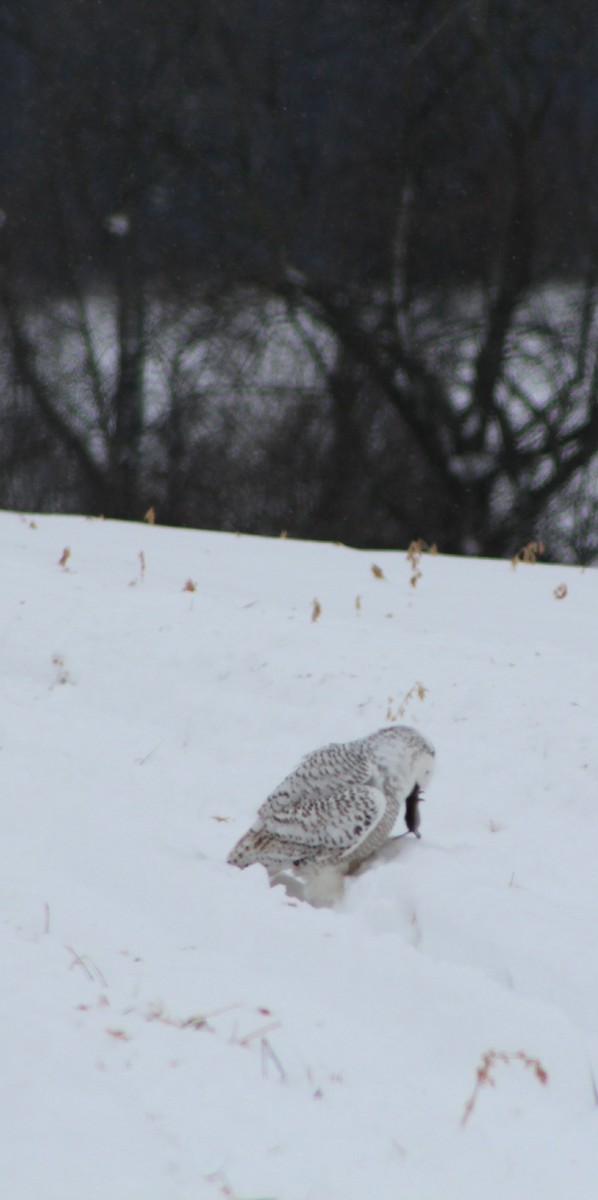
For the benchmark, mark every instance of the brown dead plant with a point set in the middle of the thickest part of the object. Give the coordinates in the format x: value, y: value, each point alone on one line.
x: 267, y: 1052
x: 417, y: 548
x: 417, y: 689
x: 528, y: 554
x: 485, y: 1076
x: 158, y: 1012
x: 87, y: 965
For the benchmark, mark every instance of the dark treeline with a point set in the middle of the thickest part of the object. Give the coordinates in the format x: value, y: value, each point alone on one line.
x: 322, y: 265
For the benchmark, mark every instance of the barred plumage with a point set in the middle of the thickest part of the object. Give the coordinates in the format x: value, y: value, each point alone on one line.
x: 339, y: 805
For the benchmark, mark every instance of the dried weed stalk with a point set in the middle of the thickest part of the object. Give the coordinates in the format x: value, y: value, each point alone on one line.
x: 270, y: 1055
x: 157, y: 1012
x: 64, y: 558
x: 485, y: 1078
x: 528, y: 554
x: 87, y: 965
x: 417, y: 689
x: 417, y: 548
x: 141, y: 576
x: 316, y: 610
x: 377, y: 572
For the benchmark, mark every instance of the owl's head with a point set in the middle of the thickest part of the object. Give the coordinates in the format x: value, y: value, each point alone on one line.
x: 408, y: 754
x: 424, y: 764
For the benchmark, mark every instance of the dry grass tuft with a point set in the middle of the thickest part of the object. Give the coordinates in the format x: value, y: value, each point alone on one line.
x: 201, y: 1021
x: 485, y: 1077
x: 190, y: 586
x: 528, y: 554
x: 316, y: 611
x: 416, y: 690
x: 416, y: 549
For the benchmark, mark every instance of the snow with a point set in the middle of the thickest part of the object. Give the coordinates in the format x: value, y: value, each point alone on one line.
x: 174, y: 1029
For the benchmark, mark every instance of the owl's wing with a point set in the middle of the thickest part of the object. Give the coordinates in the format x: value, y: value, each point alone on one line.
x: 323, y: 773
x: 332, y: 824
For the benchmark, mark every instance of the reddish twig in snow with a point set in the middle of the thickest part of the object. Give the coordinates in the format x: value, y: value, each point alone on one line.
x: 82, y: 960
x: 484, y: 1077
x: 269, y: 1054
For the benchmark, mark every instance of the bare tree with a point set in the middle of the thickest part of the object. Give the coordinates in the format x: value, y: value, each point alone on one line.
x: 488, y: 392
x: 406, y: 189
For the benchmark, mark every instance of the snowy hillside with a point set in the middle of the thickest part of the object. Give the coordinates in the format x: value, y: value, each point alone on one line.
x: 173, y: 1029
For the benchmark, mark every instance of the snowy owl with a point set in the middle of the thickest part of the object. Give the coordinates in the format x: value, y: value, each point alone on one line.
x: 337, y: 808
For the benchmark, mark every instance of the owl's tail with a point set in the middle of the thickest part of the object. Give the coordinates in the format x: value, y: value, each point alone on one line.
x: 260, y: 846
x: 245, y: 852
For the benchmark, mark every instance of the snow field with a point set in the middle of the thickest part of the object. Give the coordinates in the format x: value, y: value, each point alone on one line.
x: 173, y: 1028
